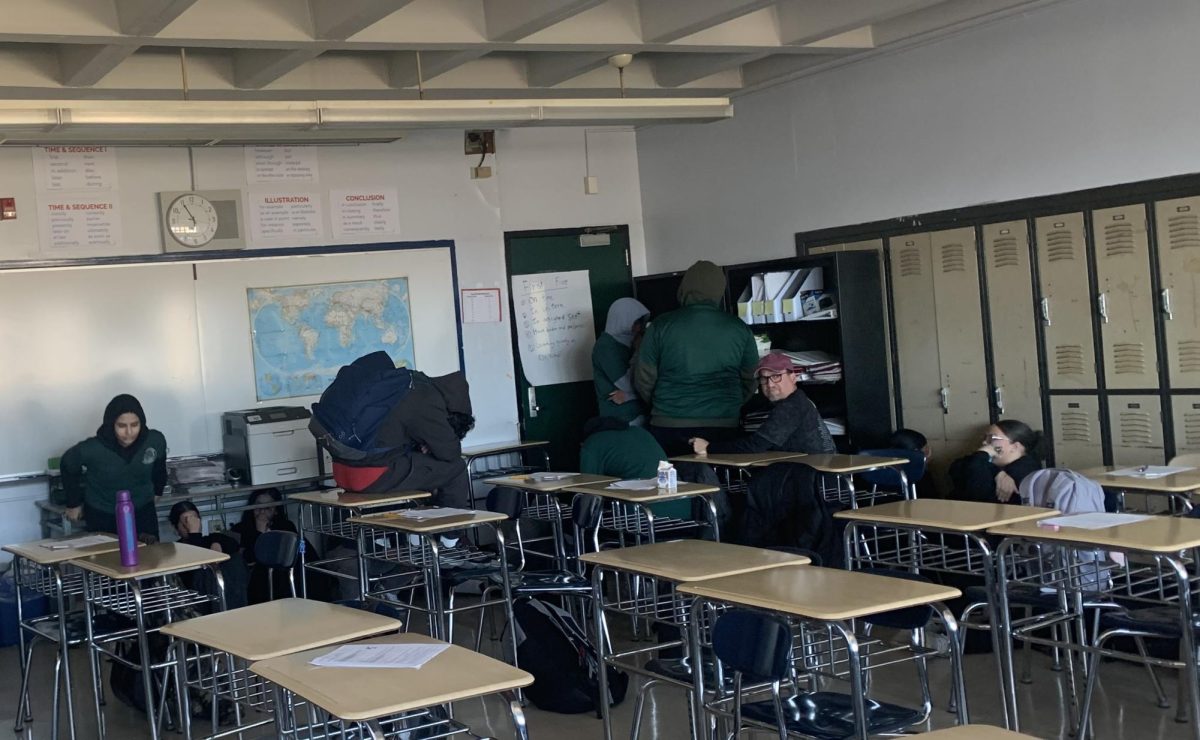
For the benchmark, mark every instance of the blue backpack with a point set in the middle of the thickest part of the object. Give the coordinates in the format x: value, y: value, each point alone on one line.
x: 347, y: 418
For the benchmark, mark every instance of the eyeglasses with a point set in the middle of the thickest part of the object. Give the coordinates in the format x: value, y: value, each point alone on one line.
x: 775, y: 379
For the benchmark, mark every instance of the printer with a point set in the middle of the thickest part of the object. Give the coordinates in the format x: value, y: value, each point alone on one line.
x: 270, y: 444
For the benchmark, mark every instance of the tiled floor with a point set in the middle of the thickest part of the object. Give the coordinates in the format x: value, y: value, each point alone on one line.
x: 1125, y: 704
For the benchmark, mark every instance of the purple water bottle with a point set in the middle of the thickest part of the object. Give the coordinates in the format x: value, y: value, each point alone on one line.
x: 127, y: 540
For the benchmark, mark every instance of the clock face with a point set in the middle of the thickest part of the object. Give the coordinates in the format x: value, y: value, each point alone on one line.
x: 192, y: 220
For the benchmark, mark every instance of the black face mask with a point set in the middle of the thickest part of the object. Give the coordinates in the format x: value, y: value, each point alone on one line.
x: 122, y: 404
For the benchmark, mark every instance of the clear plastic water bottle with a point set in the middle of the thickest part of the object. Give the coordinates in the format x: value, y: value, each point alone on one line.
x: 127, y: 541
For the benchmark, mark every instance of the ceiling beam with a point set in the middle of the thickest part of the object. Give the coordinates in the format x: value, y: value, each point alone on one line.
x: 255, y: 68
x: 402, y: 65
x: 669, y: 20
x: 83, y: 65
x: 781, y: 66
x: 341, y: 19
x: 806, y: 21
x: 148, y: 17
x: 512, y: 20
x: 546, y: 69
x: 945, y: 15
x: 673, y: 70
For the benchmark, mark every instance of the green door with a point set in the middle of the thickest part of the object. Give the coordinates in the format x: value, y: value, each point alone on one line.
x: 556, y: 413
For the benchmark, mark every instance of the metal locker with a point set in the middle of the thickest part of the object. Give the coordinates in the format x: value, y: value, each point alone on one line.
x: 1076, y: 431
x: 1124, y: 299
x: 1066, y: 302
x: 1177, y: 227
x: 960, y: 333
x: 1186, y: 413
x: 1135, y: 423
x: 916, y: 334
x: 1017, y: 392
x: 825, y: 249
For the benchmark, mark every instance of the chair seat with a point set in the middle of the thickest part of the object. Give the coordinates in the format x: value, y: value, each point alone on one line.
x: 908, y: 618
x: 544, y: 581
x: 1019, y: 594
x: 104, y: 624
x: 826, y: 714
x: 680, y: 669
x: 1161, y: 621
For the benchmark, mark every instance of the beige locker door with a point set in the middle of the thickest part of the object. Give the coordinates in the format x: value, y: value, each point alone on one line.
x: 1066, y: 302
x: 960, y: 332
x: 1186, y: 413
x: 1136, y: 425
x: 1124, y: 299
x: 1017, y: 393
x: 1076, y: 431
x: 1177, y: 225
x: 916, y: 334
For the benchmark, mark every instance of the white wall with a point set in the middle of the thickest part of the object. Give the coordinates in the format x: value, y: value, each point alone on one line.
x: 538, y: 184
x: 1079, y: 94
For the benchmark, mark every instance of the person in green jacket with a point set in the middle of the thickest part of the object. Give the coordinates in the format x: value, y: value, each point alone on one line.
x: 610, y: 447
x: 125, y: 455
x: 696, y: 364
x: 611, y: 371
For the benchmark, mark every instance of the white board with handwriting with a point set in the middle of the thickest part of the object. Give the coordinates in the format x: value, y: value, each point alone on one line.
x: 555, y: 329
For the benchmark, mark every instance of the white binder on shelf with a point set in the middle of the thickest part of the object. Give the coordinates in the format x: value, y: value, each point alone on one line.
x: 750, y: 301
x: 791, y: 308
x: 774, y: 284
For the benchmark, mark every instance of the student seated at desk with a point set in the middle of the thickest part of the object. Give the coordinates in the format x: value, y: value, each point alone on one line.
x: 794, y: 424
x: 125, y: 455
x: 612, y: 447
x: 255, y: 522
x: 185, y: 518
x: 1011, y: 450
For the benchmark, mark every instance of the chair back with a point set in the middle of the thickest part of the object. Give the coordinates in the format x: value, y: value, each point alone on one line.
x: 586, y: 513
x: 753, y: 644
x: 278, y: 549
x: 914, y: 469
x: 507, y: 501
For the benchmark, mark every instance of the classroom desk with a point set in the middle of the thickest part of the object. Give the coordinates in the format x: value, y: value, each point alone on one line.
x: 844, y: 467
x: 326, y: 514
x: 379, y: 701
x: 253, y: 633
x: 542, y: 497
x: 735, y: 467
x: 974, y: 732
x: 472, y: 455
x: 1157, y: 553
x: 642, y: 501
x: 38, y: 568
x: 671, y: 563
x: 833, y: 598
x: 941, y: 536
x: 131, y: 592
x: 1175, y: 487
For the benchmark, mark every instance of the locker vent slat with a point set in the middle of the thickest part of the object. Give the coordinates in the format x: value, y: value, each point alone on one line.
x: 1136, y: 429
x: 1068, y: 359
x: 1129, y: 358
x: 1191, y: 430
x: 1060, y: 245
x: 1004, y: 252
x: 1118, y: 239
x: 1074, y: 426
x: 910, y: 262
x: 1183, y: 231
x: 954, y: 258
x: 1189, y: 355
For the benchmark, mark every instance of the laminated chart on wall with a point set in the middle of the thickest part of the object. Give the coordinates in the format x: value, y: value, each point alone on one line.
x: 555, y: 328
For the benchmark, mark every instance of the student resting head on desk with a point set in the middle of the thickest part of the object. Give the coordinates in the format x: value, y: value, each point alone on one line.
x: 1010, y: 451
x: 125, y: 455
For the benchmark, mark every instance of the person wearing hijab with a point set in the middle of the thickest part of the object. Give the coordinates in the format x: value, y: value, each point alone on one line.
x: 125, y: 455
x: 611, y: 356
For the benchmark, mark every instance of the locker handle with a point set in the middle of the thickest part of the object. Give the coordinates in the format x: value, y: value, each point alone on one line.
x: 1102, y: 306
x: 286, y: 471
x: 944, y: 392
x: 1166, y: 303
x: 1046, y: 311
x: 286, y: 433
x: 999, y: 393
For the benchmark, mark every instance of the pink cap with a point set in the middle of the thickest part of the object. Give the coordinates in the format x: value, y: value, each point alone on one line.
x: 774, y: 362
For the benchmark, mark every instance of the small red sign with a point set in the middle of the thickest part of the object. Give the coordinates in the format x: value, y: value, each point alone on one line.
x: 8, y: 209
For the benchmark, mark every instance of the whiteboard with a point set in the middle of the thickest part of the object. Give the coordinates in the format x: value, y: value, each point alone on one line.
x: 75, y: 337
x: 555, y: 331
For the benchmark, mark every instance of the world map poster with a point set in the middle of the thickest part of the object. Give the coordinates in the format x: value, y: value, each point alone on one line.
x: 303, y: 334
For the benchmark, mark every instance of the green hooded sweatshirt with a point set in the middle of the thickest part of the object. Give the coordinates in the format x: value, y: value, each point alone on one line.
x: 696, y: 364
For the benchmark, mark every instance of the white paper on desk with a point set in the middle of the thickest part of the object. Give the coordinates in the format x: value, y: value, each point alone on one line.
x: 636, y: 484
x: 436, y: 512
x: 78, y: 542
x: 549, y: 477
x: 1094, y: 520
x: 379, y: 656
x: 1151, y: 471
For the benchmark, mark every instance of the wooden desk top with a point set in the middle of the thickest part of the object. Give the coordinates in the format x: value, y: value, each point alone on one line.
x: 37, y: 552
x: 393, y: 520
x: 974, y: 732
x: 692, y: 560
x: 499, y: 448
x: 739, y: 459
x: 1158, y: 534
x: 153, y: 560
x: 1177, y: 483
x: 956, y: 516
x: 527, y: 483
x: 346, y: 500
x: 841, y: 464
x: 360, y: 694
x: 280, y: 627
x: 684, y: 490
x: 819, y: 593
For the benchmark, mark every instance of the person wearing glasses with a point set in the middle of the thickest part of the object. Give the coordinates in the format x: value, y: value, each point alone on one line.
x: 793, y: 425
x: 1010, y: 451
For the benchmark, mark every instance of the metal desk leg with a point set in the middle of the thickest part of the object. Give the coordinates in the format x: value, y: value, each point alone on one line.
x: 857, y: 688
x: 699, y: 720
x: 602, y: 679
x: 433, y: 589
x: 711, y: 509
x: 93, y: 654
x: 64, y: 647
x: 995, y: 620
x: 518, y: 715
x: 24, y: 709
x: 506, y: 585
x: 956, y: 668
x: 1008, y: 672
x: 135, y: 588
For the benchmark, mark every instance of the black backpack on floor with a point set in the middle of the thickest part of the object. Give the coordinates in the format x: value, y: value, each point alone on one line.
x: 554, y: 648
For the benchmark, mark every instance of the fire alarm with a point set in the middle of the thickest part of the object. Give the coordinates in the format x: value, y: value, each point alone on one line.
x: 8, y: 209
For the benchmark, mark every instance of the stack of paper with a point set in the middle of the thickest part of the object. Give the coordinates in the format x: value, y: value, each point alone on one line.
x: 79, y: 542
x: 636, y: 484
x: 1093, y: 520
x: 379, y: 656
x: 1151, y: 471
x: 815, y: 366
x: 836, y: 426
x: 550, y: 477
x: 433, y: 512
